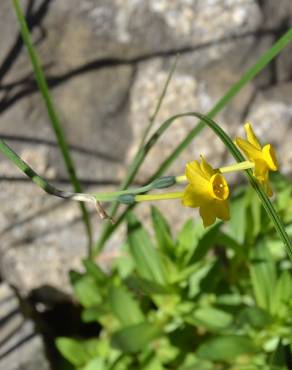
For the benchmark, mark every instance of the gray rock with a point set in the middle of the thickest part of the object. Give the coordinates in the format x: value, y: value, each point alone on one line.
x: 106, y: 63
x: 21, y: 347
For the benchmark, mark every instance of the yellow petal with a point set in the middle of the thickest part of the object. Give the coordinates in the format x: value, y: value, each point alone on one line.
x: 261, y: 170
x: 191, y: 198
x: 222, y: 209
x: 251, y: 137
x: 206, y: 168
x: 269, y: 156
x: 197, y: 179
x: 207, y: 212
x: 251, y: 152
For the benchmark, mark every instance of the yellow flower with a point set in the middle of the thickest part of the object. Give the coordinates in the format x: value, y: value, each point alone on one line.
x: 208, y: 190
x: 264, y: 158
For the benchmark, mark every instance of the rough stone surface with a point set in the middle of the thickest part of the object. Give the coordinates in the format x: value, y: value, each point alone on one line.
x: 21, y: 347
x: 106, y: 62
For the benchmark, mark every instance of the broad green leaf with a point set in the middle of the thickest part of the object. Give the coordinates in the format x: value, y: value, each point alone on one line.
x: 225, y: 348
x: 95, y: 364
x: 197, y: 277
x: 136, y: 337
x: 170, y: 269
x: 263, y: 275
x: 283, y: 294
x: 92, y: 314
x: 145, y: 286
x: 87, y: 291
x: 94, y: 271
x: 211, y: 318
x: 77, y: 352
x: 255, y: 316
x: 124, y: 264
x: 124, y: 306
x: 162, y: 232
x: 152, y: 363
x: 146, y: 257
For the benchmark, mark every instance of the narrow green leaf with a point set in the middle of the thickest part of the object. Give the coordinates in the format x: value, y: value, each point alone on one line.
x: 136, y: 337
x: 124, y: 306
x: 146, y: 258
x: 225, y: 348
x: 54, y: 119
x: 162, y: 232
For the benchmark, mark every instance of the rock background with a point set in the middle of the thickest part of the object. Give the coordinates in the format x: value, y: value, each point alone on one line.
x: 106, y: 62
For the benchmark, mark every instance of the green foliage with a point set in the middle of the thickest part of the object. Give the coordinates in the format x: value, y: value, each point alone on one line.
x: 205, y: 299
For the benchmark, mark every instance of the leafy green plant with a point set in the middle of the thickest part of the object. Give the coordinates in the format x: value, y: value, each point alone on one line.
x: 206, y: 299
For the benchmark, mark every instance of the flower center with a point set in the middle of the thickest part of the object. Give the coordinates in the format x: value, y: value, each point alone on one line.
x: 219, y: 187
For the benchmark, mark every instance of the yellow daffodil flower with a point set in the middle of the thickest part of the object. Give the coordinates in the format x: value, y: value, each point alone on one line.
x: 208, y: 190
x: 264, y: 158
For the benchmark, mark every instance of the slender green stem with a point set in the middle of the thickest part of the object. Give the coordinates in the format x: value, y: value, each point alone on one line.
x: 233, y: 168
x: 158, y: 106
x: 162, y: 196
x: 54, y: 119
x: 245, y: 165
x: 270, y: 54
x: 80, y: 197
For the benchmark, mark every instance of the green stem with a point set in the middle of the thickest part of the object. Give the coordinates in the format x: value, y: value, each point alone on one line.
x: 161, y: 196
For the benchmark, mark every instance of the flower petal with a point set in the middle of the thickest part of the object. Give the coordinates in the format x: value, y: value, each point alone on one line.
x: 269, y: 156
x: 206, y: 168
x: 251, y: 137
x: 196, y: 178
x: 207, y: 212
x: 261, y: 170
x: 222, y: 209
x: 191, y: 198
x: 251, y: 152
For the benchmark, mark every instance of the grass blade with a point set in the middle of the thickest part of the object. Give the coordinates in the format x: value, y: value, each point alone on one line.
x: 63, y: 146
x: 270, y: 54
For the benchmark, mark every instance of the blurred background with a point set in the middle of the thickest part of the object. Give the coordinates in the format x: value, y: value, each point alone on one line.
x: 106, y: 62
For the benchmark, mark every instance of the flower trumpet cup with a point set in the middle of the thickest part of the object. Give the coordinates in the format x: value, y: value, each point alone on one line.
x: 208, y: 190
